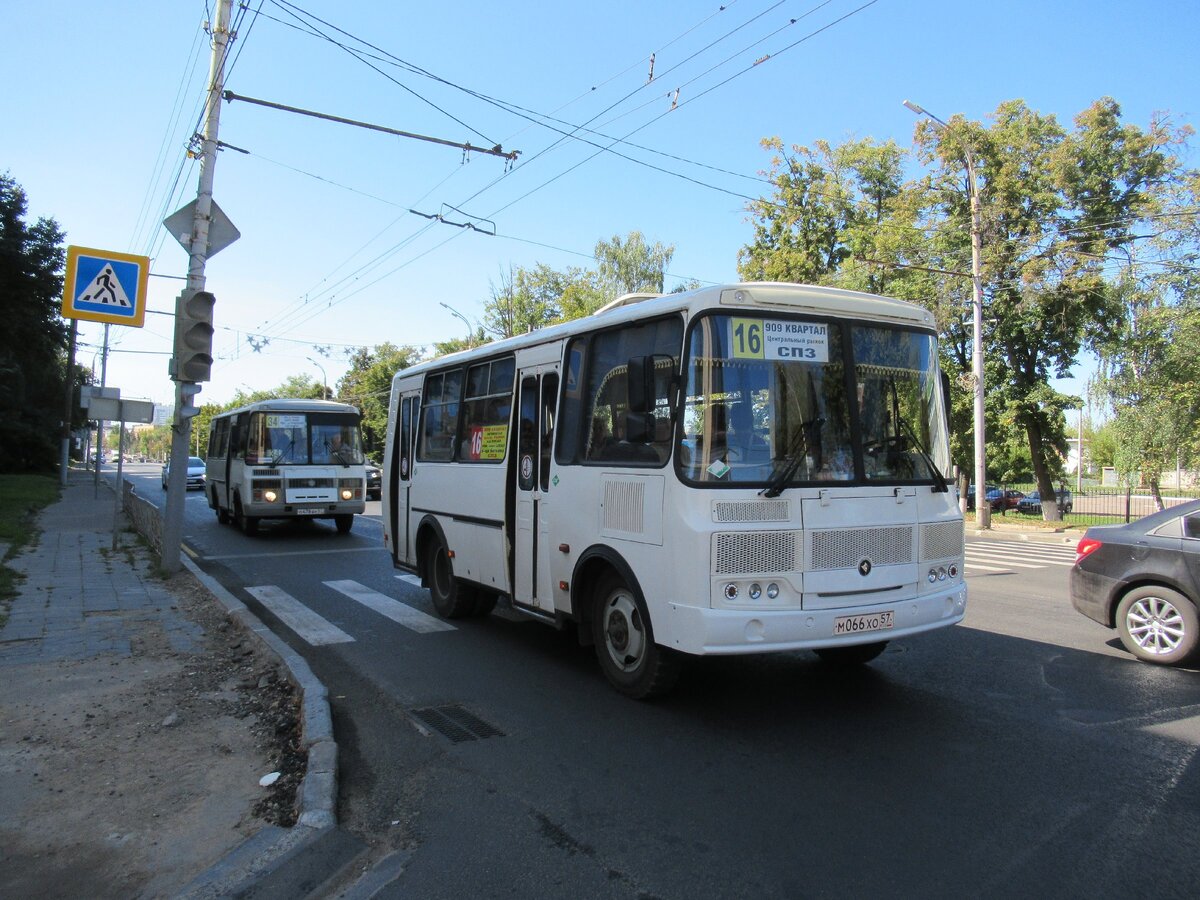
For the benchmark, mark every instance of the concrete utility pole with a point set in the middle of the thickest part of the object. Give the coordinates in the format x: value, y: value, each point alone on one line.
x: 172, y: 532
x: 983, y: 509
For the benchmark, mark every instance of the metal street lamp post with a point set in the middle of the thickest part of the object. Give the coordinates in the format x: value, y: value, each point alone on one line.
x: 470, y: 333
x: 324, y: 380
x: 983, y: 510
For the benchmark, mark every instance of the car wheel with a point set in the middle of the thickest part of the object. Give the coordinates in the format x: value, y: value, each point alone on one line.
x: 624, y: 639
x: 1158, y: 625
x: 855, y: 655
x: 451, y: 598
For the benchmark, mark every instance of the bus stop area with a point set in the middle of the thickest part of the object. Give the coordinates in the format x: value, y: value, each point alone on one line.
x: 147, y: 734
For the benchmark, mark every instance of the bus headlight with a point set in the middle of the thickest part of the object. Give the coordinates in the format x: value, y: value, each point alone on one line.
x: 755, y: 591
x: 731, y: 591
x: 347, y: 494
x: 772, y: 590
x: 270, y: 496
x: 932, y: 575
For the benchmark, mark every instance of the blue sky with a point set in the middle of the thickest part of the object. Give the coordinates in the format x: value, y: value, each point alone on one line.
x: 101, y: 99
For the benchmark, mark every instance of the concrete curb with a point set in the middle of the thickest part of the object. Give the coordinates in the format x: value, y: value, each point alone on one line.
x: 318, y: 791
x: 264, y: 854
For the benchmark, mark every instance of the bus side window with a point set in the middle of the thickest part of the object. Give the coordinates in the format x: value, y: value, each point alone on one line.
x: 549, y: 395
x: 404, y: 448
x: 572, y: 433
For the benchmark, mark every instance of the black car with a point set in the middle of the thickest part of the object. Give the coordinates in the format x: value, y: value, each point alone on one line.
x: 374, y: 482
x: 1143, y: 579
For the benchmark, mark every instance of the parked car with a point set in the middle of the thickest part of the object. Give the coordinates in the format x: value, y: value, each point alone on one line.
x: 1002, y: 501
x: 195, y: 473
x: 971, y: 495
x: 1032, y: 503
x: 1143, y: 579
x: 374, y: 482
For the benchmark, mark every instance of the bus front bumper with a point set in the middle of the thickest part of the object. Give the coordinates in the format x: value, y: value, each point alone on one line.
x: 321, y: 510
x: 701, y: 631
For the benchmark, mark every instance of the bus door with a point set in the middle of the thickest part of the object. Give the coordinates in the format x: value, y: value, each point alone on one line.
x: 531, y: 472
x: 400, y: 480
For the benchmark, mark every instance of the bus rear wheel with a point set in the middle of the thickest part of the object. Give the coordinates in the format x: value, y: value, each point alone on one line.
x: 451, y: 598
x: 632, y: 662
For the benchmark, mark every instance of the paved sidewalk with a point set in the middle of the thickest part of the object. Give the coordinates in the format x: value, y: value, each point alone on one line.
x: 137, y: 717
x: 81, y: 598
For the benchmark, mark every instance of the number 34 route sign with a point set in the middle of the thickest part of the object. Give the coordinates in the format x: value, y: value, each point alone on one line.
x: 105, y: 286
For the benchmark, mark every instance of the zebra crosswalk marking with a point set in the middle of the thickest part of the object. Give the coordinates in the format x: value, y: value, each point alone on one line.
x: 400, y: 613
x: 414, y: 580
x: 298, y: 617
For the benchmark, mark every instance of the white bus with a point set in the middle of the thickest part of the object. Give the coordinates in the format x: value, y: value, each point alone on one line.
x: 739, y: 469
x: 286, y: 459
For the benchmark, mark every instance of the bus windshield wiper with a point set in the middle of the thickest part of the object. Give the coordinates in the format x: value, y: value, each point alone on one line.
x: 792, y: 461
x: 939, y: 480
x: 282, y: 453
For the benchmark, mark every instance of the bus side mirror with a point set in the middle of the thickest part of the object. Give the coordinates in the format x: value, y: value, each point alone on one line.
x: 639, y: 384
x: 946, y: 399
x: 644, y: 376
x: 639, y: 427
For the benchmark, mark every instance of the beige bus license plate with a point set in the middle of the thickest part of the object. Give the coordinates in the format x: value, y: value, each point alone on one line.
x: 309, y: 512
x: 877, y: 621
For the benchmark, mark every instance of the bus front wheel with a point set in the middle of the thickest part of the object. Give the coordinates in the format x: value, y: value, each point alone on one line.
x: 344, y: 523
x: 247, y: 524
x: 854, y: 655
x: 632, y: 662
x: 451, y: 598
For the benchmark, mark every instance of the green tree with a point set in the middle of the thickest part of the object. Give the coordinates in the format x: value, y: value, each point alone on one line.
x: 631, y: 265
x: 524, y: 300
x: 368, y: 385
x: 33, y: 340
x: 1056, y: 204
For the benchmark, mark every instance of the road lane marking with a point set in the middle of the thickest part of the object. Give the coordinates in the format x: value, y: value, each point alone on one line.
x: 273, y: 554
x: 1007, y: 562
x: 400, y: 613
x: 298, y: 617
x: 414, y: 580
x: 972, y: 565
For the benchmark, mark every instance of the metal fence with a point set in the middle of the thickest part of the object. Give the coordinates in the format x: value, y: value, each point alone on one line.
x: 1093, y: 505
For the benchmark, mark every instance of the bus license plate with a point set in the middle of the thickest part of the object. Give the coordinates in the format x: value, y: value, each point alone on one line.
x: 878, y: 621
x: 309, y: 512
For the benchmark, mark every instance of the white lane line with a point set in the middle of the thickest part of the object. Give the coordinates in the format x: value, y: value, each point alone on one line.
x: 414, y: 580
x: 972, y: 565
x: 298, y: 617
x: 272, y: 554
x: 1006, y: 562
x: 398, y: 612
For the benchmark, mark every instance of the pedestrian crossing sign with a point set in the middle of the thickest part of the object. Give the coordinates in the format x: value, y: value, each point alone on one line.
x: 105, y: 286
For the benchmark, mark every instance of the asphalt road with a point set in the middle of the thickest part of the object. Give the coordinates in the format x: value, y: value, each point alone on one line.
x: 1020, y: 753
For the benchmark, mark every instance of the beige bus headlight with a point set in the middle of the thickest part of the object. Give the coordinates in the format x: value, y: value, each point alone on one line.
x: 270, y: 496
x: 347, y: 494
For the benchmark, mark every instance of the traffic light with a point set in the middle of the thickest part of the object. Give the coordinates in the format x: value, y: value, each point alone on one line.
x: 193, y: 337
x: 186, y: 406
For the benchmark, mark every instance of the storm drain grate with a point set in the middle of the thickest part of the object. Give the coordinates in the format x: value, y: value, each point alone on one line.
x: 456, y: 724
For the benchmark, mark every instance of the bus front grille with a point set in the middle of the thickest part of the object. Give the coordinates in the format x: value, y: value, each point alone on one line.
x: 751, y: 511
x: 754, y: 552
x: 942, y: 540
x: 845, y: 548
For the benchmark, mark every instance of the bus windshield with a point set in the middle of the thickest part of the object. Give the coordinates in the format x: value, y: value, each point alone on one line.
x: 782, y: 401
x: 280, y: 439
